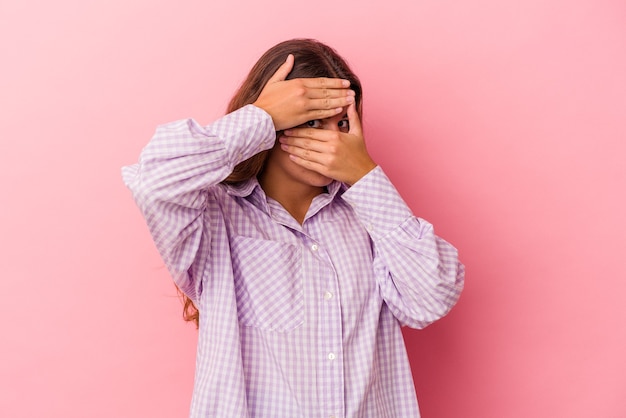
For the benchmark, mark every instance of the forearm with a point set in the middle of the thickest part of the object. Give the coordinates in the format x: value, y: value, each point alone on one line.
x: 419, y: 274
x: 184, y: 158
x: 175, y: 176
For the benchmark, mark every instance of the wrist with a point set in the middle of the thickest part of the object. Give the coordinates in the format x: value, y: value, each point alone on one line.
x: 362, y: 172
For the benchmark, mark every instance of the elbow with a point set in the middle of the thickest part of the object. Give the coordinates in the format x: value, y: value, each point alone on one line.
x: 449, y: 290
x: 439, y: 301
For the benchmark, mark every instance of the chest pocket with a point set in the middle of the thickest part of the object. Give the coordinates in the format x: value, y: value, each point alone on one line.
x: 268, y: 284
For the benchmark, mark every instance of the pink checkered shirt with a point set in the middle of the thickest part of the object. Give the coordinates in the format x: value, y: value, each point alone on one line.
x: 295, y: 320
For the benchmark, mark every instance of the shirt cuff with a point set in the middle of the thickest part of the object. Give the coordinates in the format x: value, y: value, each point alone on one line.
x: 245, y: 132
x: 377, y: 203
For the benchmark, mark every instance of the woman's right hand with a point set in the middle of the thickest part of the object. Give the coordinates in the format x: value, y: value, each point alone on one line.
x: 293, y: 102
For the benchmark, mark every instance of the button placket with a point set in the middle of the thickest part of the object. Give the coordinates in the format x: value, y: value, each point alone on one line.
x: 330, y: 344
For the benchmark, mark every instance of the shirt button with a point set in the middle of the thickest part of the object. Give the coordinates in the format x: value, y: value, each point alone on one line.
x: 314, y: 247
x: 328, y: 295
x: 331, y: 356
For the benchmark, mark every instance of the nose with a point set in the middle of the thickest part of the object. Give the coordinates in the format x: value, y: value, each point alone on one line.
x: 331, y: 125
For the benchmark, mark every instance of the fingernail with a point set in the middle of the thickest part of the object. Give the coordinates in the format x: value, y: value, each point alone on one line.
x: 349, y: 99
x: 287, y: 132
x: 346, y: 83
x: 351, y: 93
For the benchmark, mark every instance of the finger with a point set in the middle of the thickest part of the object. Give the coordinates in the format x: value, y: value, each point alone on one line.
x: 283, y: 71
x: 292, y: 143
x: 326, y: 104
x: 310, y: 164
x: 354, y: 120
x: 304, y: 148
x: 326, y: 83
x: 312, y: 114
x: 327, y: 93
x: 294, y: 135
x: 304, y: 153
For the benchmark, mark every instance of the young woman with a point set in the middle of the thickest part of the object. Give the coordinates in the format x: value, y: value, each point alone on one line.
x: 301, y: 257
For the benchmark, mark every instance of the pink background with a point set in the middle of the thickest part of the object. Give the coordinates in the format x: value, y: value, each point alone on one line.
x: 503, y: 123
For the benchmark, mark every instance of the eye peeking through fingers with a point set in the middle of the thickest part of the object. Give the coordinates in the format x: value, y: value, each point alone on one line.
x: 343, y: 124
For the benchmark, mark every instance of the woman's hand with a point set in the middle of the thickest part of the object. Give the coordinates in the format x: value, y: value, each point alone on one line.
x: 292, y: 102
x: 339, y: 155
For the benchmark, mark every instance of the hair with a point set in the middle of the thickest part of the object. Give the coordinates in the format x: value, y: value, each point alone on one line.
x: 312, y: 59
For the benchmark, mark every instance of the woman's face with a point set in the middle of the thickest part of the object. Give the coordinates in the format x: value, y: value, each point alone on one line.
x: 294, y: 174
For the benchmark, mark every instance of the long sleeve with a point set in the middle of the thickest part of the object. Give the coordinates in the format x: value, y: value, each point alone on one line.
x: 173, y: 181
x: 419, y: 274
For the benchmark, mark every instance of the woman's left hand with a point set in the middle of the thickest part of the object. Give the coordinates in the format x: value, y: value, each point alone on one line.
x: 338, y: 155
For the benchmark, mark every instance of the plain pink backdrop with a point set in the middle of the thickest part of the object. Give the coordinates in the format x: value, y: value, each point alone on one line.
x: 503, y: 123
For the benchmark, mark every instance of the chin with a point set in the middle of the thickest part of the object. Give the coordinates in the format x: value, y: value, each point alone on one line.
x: 324, y: 183
x: 317, y: 180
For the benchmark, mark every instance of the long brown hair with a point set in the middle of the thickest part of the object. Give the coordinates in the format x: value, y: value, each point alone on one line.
x: 311, y: 59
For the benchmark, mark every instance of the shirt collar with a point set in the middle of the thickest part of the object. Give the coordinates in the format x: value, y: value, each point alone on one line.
x: 242, y: 189
x: 246, y: 188
x: 251, y: 190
